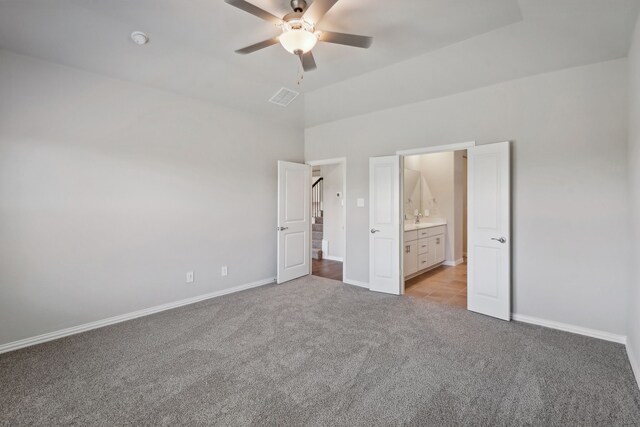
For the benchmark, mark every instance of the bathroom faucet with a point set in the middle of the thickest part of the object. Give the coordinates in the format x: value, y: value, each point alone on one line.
x: 418, y: 218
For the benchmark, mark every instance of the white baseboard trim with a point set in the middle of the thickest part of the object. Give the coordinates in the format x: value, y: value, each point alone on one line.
x: 635, y: 367
x: 332, y: 258
x: 453, y: 263
x: 50, y: 336
x: 356, y: 283
x: 594, y: 333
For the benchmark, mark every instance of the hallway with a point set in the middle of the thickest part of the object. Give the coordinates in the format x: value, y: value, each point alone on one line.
x: 327, y: 269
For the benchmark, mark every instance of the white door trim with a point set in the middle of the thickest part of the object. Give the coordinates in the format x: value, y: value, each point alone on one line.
x: 437, y: 149
x: 335, y: 161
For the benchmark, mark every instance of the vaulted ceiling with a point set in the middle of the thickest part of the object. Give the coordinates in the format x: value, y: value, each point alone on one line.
x: 192, y: 44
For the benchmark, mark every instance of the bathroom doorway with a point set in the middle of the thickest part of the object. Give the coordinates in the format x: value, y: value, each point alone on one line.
x: 328, y: 218
x: 434, y: 227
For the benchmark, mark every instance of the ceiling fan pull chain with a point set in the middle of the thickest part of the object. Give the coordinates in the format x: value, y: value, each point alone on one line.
x: 300, y: 76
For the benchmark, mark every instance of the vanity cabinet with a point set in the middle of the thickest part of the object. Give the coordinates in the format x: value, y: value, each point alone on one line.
x: 423, y: 249
x: 410, y: 257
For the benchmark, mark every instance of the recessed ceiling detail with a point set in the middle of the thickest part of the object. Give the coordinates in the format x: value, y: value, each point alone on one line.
x: 299, y: 33
x: 449, y: 46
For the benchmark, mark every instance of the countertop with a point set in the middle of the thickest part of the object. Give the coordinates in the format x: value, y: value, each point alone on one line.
x: 410, y: 226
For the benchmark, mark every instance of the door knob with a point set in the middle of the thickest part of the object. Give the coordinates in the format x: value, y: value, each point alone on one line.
x: 501, y: 239
x: 282, y: 228
x: 373, y: 231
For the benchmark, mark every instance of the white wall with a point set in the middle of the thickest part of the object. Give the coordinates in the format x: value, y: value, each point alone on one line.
x: 333, y: 210
x: 110, y: 192
x: 634, y: 179
x: 570, y: 211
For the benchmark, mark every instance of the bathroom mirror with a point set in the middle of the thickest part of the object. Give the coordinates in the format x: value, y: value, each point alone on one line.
x: 412, y: 193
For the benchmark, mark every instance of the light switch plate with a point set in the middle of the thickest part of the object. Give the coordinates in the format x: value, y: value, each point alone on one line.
x: 190, y: 277
x: 224, y: 271
x: 360, y: 203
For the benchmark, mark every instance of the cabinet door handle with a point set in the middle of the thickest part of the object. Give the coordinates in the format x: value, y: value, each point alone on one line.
x: 408, y: 250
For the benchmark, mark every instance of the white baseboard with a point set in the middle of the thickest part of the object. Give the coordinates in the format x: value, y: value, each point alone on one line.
x: 332, y: 258
x: 356, y: 283
x: 635, y: 367
x: 594, y: 333
x: 453, y: 263
x: 15, y: 345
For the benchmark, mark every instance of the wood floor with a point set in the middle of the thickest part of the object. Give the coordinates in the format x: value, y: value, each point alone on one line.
x: 327, y: 269
x: 445, y: 285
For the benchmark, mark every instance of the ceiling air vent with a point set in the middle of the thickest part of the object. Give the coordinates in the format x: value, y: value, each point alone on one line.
x: 284, y: 97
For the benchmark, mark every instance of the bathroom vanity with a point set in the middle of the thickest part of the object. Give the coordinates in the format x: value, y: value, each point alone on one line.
x: 424, y: 247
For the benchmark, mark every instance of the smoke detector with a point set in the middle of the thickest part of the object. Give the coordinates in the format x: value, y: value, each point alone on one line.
x: 139, y: 38
x: 284, y: 97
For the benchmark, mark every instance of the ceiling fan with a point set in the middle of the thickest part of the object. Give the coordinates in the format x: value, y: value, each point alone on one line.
x: 299, y: 33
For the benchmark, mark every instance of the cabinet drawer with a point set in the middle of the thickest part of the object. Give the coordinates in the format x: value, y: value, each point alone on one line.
x: 423, y: 233
x: 423, y: 261
x: 434, y: 231
x: 423, y: 246
x: 410, y: 235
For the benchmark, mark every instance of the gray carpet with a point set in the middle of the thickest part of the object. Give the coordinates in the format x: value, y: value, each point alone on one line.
x: 317, y: 352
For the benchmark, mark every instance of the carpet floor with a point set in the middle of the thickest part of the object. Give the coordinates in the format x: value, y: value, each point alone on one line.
x: 318, y: 352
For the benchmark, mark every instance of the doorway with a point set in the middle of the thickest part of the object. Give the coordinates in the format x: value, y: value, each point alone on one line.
x: 488, y: 231
x: 434, y: 213
x: 328, y: 184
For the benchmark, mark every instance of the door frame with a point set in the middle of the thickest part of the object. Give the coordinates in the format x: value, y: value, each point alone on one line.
x: 417, y: 152
x: 335, y: 161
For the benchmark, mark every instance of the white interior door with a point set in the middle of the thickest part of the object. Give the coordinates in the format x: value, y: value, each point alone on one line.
x: 384, y: 224
x: 489, y: 230
x: 294, y: 223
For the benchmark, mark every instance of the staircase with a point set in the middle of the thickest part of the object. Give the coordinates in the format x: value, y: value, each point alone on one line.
x: 316, y: 238
x: 317, y: 216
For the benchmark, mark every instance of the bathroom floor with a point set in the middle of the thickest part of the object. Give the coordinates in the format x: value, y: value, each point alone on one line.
x: 444, y: 284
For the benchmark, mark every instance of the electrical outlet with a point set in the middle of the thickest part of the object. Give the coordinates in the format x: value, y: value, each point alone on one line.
x: 190, y: 277
x: 224, y: 271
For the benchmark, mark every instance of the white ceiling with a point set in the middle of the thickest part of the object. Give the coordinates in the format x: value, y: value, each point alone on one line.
x: 553, y: 35
x: 192, y: 41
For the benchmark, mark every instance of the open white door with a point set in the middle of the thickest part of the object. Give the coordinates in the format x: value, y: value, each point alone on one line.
x: 294, y: 223
x: 489, y: 232
x: 384, y: 224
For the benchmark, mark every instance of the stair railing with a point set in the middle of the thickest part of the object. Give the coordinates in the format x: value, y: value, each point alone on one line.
x: 316, y: 198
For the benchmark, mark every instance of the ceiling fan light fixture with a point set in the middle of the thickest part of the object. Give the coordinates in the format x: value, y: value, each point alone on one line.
x: 298, y: 40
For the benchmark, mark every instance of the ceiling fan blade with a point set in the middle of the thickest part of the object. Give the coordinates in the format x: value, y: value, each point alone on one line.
x: 257, y: 46
x: 317, y: 10
x: 346, y: 39
x: 308, y: 62
x: 254, y: 10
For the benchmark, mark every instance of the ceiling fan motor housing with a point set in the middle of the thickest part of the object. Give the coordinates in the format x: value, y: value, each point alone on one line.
x: 298, y: 5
